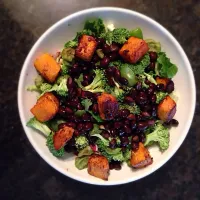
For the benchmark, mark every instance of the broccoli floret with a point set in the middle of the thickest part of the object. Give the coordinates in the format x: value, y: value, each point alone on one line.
x: 160, y: 96
x: 95, y: 130
x: 45, y: 87
x: 65, y: 67
x: 153, y: 45
x: 42, y: 127
x: 133, y: 109
x: 96, y: 26
x: 50, y: 145
x: 118, y: 35
x: 110, y: 154
x: 68, y: 54
x: 60, y: 87
x: 160, y: 135
x: 98, y: 83
x: 150, y: 78
x: 119, y: 94
x: 71, y: 44
x: 81, y: 142
x: 127, y: 155
x: 38, y: 82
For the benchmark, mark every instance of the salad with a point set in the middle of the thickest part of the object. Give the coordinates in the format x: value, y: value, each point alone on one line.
x: 106, y: 97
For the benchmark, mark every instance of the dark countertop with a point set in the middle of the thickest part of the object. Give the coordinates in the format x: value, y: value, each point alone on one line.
x: 23, y: 174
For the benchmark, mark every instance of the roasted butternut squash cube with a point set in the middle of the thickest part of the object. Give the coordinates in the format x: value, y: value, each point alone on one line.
x: 98, y: 166
x: 47, y: 67
x: 46, y: 107
x: 133, y: 50
x: 166, y: 109
x: 108, y: 106
x: 140, y: 158
x: 86, y: 47
x: 62, y: 136
x: 163, y: 81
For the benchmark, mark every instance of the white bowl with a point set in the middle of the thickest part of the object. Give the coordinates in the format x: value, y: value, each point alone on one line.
x: 54, y: 39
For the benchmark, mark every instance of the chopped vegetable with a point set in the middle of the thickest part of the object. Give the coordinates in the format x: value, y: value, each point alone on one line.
x: 68, y: 54
x: 46, y: 107
x: 160, y: 135
x: 47, y: 67
x: 133, y: 50
x: 136, y: 33
x: 153, y: 45
x: 81, y: 142
x: 160, y: 96
x: 165, y: 68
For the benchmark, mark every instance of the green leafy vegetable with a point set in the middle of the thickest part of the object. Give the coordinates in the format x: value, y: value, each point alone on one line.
x: 65, y: 67
x: 118, y: 35
x: 160, y: 135
x: 137, y: 68
x: 102, y: 139
x: 86, y: 103
x: 150, y: 78
x: 100, y: 53
x: 42, y: 127
x: 71, y: 44
x: 96, y: 26
x: 81, y: 161
x: 36, y: 87
x: 95, y: 130
x: 153, y: 45
x: 135, y: 109
x: 96, y: 117
x: 81, y: 142
x: 164, y: 67
x: 160, y: 96
x: 127, y: 155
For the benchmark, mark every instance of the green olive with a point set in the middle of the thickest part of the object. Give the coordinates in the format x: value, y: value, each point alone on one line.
x: 128, y: 74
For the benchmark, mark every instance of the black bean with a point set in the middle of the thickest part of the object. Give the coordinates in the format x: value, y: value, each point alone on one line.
x: 150, y: 90
x: 126, y: 121
x: 133, y: 93
x: 145, y: 114
x: 88, y: 126
x: 114, y: 47
x: 131, y: 117
x: 129, y: 100
x: 124, y: 113
x: 104, y: 62
x: 113, y: 56
x: 142, y: 138
x: 133, y: 124
x: 62, y: 111
x: 151, y: 122
x: 105, y: 134
x: 127, y: 129
x: 141, y: 98
x: 135, y: 146
x: 70, y: 124
x: 86, y: 117
x: 124, y: 141
x: 170, y: 87
x: 112, y: 143
x: 174, y: 122
x: 79, y: 106
x: 117, y: 75
x: 70, y: 83
x: 147, y: 81
x: 68, y: 110
x: 153, y: 98
x: 117, y: 125
x: 113, y: 132
x: 106, y: 48
x: 160, y: 87
x: 123, y: 81
x: 100, y: 41
x: 153, y: 56
x: 135, y: 138
x: 110, y: 71
x: 111, y: 82
x: 146, y: 107
x: 142, y: 125
x: 80, y: 127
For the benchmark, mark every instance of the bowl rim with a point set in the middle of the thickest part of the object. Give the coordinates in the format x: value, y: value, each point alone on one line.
x: 21, y: 83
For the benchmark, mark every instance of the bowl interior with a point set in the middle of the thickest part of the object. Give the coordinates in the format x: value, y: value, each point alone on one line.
x: 53, y: 41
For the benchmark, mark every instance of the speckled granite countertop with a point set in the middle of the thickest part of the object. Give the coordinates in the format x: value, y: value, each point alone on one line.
x: 23, y: 174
